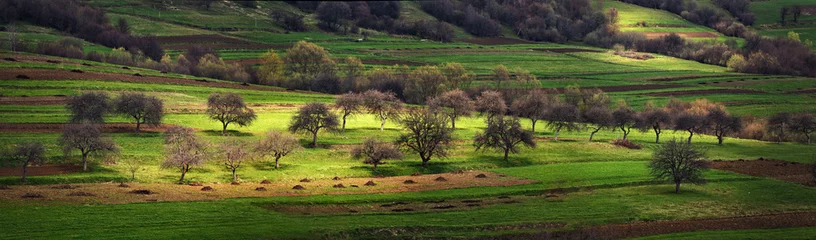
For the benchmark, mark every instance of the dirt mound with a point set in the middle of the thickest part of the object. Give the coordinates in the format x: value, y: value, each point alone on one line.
x: 66, y: 186
x: 298, y: 187
x: 370, y: 183
x: 32, y: 195
x: 703, y: 92
x: 652, y: 35
x: 260, y: 189
x: 41, y: 100
x: 803, y: 91
x: 781, y: 170
x: 481, y: 175
x: 58, y: 127
x: 21, y: 76
x: 336, y: 178
x: 305, y: 180
x: 339, y: 185
x: 123, y: 185
x: 142, y: 192
x: 441, y: 179
x: 235, y: 183
x: 495, y: 41
x: 207, y: 189
x: 409, y: 181
x: 266, y: 182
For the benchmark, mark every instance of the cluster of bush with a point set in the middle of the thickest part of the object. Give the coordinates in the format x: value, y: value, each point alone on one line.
x: 81, y: 20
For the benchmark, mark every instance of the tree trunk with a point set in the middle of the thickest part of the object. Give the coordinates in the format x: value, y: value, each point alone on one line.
x: 719, y: 139
x: 382, y: 125
x: 534, y: 122
x: 314, y: 139
x: 625, y: 133
x: 224, y: 130
x: 677, y: 187
x: 138, y: 125
x: 424, y: 160
x: 25, y: 172
x: 234, y: 176
x: 506, y: 152
x: 277, y: 164
x: 657, y: 134
x: 453, y: 123
x: 810, y: 141
x: 183, y: 172
x: 344, y: 124
x: 691, y: 134
x: 375, y: 167
x: 84, y: 162
x: 592, y: 135
x: 557, y: 131
x: 133, y: 176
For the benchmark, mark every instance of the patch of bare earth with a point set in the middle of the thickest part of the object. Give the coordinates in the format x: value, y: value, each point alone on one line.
x: 652, y: 35
x: 58, y: 127
x: 111, y: 193
x: 777, y: 169
x: 44, y: 170
x: 703, y: 92
x: 39, y: 100
x: 803, y: 91
x: 495, y: 41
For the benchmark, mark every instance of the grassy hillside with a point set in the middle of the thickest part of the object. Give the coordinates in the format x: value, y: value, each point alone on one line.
x: 768, y: 18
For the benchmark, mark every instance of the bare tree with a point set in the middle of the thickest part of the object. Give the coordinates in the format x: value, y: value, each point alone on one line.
x: 624, y: 118
x: 184, y: 150
x: 349, y: 104
x: 427, y: 134
x: 564, y: 117
x: 678, y: 162
x: 313, y: 117
x: 454, y: 104
x: 88, y: 139
x: 89, y: 107
x: 504, y: 134
x: 375, y: 152
x: 122, y: 26
x: 132, y: 165
x: 805, y: 124
x: 535, y: 106
x: 11, y: 33
x: 142, y: 108
x: 491, y: 104
x: 600, y: 118
x: 722, y: 124
x: 277, y: 144
x: 779, y: 125
x: 229, y: 108
x: 383, y: 105
x: 235, y: 153
x: 29, y: 153
x: 692, y: 123
x: 653, y: 118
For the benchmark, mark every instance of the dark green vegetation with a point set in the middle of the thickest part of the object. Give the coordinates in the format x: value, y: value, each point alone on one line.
x: 591, y: 182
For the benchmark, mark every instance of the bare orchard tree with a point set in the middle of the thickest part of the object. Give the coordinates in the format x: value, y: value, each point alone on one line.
x: 690, y: 122
x: 624, y: 118
x: 229, y: 108
x: 504, y: 134
x: 427, y: 134
x: 235, y: 153
x: 454, y: 104
x: 350, y: 104
x: 142, y: 108
x: 491, y: 104
x: 679, y: 162
x: 535, y: 106
x: 312, y: 118
x: 277, y: 144
x: 88, y: 139
x: 11, y: 33
x: 89, y: 107
x: 655, y: 119
x: 29, y: 153
x: 721, y: 123
x: 805, y: 124
x: 375, y: 152
x: 564, y: 117
x: 184, y: 150
x: 600, y: 118
x: 779, y: 125
x: 383, y: 105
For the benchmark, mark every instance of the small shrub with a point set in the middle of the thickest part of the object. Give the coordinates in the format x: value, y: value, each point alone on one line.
x: 626, y: 143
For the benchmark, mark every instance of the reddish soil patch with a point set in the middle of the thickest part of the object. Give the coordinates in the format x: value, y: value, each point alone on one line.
x: 652, y: 35
x: 803, y: 91
x: 495, y: 41
x: 43, y: 170
x: 564, y: 50
x: 43, y: 74
x: 43, y: 100
x: 704, y: 92
x: 58, y: 127
x: 781, y: 170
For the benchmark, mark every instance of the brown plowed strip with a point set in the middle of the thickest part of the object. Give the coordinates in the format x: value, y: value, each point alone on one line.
x: 781, y: 170
x: 495, y: 41
x: 704, y: 92
x: 43, y: 170
x: 46, y: 74
x: 653, y: 35
x: 57, y: 127
x: 365, y: 61
x: 642, y: 229
x: 564, y: 50
x: 109, y: 193
x: 41, y: 100
x: 803, y: 91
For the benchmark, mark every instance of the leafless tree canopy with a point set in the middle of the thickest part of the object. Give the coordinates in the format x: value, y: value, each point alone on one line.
x: 491, y: 104
x: 721, y: 123
x: 691, y: 123
x: 87, y: 138
x: 679, y: 162
x: 383, y: 105
x: 142, y: 108
x: 29, y: 153
x: 656, y: 119
x: 454, y: 104
x: 183, y: 150
x: 805, y: 124
x: 779, y: 125
x: 564, y: 117
x: 504, y: 134
x: 313, y: 117
x: 427, y: 134
x: 375, y: 152
x: 235, y: 153
x: 229, y: 108
x: 89, y: 107
x: 535, y: 106
x: 277, y: 144
x: 349, y: 104
x: 600, y: 118
x: 624, y: 118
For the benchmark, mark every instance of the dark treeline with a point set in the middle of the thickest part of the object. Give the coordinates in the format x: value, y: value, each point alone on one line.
x: 554, y: 20
x: 78, y: 19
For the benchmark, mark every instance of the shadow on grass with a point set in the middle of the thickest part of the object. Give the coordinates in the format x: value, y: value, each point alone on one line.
x: 235, y: 133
